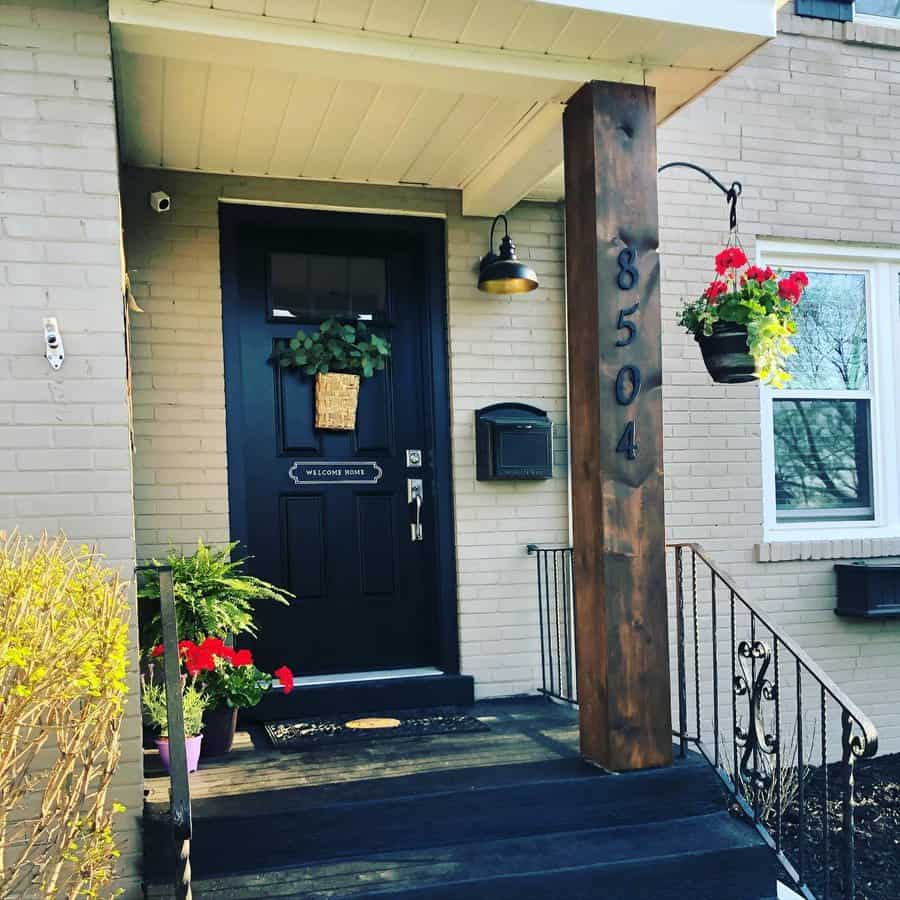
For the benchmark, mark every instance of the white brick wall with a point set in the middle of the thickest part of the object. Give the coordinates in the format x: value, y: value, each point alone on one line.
x: 809, y: 125
x: 501, y: 349
x: 65, y: 461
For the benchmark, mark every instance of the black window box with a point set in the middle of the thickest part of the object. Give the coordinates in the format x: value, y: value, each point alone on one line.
x: 868, y: 590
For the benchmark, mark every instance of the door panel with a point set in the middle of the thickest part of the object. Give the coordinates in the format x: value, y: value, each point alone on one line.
x: 367, y: 593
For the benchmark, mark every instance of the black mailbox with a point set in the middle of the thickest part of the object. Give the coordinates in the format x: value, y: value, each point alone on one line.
x: 513, y: 441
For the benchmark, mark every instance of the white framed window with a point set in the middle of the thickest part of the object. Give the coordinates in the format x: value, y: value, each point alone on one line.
x: 831, y: 438
x: 877, y: 12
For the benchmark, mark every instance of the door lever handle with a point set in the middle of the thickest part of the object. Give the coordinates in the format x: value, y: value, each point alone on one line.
x: 414, y: 495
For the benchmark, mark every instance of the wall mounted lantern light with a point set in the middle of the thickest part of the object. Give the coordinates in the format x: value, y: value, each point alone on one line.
x: 503, y: 273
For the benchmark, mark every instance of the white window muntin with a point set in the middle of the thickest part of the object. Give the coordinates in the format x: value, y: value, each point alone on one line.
x: 882, y: 269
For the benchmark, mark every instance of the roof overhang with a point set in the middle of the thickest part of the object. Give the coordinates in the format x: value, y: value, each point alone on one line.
x: 465, y: 95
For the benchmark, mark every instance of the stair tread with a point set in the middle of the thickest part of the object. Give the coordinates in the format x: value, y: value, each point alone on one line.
x: 532, y: 856
x: 230, y: 844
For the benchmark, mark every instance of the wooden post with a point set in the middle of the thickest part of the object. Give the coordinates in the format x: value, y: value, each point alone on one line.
x: 612, y: 285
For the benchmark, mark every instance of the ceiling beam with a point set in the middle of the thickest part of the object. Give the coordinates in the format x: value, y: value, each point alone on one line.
x: 207, y: 35
x: 524, y: 161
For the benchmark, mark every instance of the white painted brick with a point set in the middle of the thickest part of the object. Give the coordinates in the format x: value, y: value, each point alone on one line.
x: 64, y: 437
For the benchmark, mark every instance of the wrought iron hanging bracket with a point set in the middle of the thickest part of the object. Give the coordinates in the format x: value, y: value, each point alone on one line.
x: 731, y: 193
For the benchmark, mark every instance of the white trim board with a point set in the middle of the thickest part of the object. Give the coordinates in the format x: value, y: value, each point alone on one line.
x: 355, y: 677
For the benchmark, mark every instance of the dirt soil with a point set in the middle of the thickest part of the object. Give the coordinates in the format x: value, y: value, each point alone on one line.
x: 877, y: 830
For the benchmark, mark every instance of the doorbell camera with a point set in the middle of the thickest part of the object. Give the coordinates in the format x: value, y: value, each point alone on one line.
x: 160, y: 202
x: 53, y: 344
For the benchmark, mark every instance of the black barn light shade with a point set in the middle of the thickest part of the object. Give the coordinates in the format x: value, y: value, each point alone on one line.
x: 504, y: 273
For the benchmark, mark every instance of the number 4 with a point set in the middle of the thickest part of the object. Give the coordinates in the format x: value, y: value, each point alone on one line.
x: 627, y: 443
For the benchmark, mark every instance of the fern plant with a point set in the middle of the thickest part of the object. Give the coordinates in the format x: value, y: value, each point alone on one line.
x: 213, y: 595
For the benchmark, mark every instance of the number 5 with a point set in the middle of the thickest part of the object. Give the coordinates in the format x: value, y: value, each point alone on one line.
x: 622, y: 324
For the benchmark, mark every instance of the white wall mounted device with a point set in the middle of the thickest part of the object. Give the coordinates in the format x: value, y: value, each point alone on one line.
x: 54, y: 350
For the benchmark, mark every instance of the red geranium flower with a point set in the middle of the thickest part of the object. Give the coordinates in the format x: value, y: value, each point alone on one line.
x: 157, y: 651
x: 800, y: 278
x: 730, y: 258
x: 242, y: 658
x: 715, y: 289
x: 790, y: 289
x: 286, y: 677
x: 755, y: 273
x: 197, y: 659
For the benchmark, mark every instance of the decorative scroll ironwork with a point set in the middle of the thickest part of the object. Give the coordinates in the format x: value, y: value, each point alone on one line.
x: 759, y: 772
x: 755, y: 740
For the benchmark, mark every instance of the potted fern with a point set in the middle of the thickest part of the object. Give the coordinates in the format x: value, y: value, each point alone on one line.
x: 213, y: 595
x: 338, y: 354
x: 744, y: 320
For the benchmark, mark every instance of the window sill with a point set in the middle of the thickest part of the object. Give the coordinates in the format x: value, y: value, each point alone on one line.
x: 850, y: 548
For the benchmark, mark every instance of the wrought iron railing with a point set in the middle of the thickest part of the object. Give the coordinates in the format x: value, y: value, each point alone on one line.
x: 179, y: 786
x: 556, y: 620
x: 761, y: 711
x: 749, y: 699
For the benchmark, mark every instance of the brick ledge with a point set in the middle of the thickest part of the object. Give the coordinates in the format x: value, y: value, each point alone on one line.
x: 857, y: 548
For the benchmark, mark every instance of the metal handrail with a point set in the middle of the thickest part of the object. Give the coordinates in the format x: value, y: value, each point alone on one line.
x: 761, y: 767
x: 179, y: 785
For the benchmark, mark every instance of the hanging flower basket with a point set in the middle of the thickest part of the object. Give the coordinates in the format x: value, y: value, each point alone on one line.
x: 337, y: 396
x: 744, y: 320
x: 338, y: 354
x: 726, y: 354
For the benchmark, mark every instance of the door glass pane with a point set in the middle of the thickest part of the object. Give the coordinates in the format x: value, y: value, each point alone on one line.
x: 313, y: 287
x: 831, y: 340
x: 889, y: 8
x: 822, y: 459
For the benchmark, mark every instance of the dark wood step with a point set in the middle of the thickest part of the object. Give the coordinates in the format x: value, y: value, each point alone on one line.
x: 491, y: 862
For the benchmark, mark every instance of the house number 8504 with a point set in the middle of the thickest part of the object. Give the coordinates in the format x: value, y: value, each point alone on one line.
x: 628, y: 380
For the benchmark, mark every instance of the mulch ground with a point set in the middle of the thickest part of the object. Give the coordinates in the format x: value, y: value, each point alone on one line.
x: 877, y: 830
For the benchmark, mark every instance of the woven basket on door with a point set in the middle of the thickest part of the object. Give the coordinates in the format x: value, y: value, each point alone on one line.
x: 336, y: 399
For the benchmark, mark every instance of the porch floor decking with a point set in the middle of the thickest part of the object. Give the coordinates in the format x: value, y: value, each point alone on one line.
x: 507, y: 813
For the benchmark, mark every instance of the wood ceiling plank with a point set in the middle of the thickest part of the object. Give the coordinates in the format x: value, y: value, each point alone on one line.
x: 492, y: 23
x: 537, y: 27
x: 254, y: 7
x: 385, y: 116
x: 304, y: 10
x: 429, y: 111
x: 184, y: 99
x: 342, y: 121
x: 482, y: 142
x: 450, y: 133
x: 310, y: 101
x: 582, y: 33
x: 142, y: 104
x: 349, y: 13
x: 394, y: 16
x: 442, y: 21
x: 263, y: 117
x: 226, y: 99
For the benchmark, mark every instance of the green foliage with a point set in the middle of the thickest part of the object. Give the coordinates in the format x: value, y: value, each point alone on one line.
x: 193, y: 701
x: 212, y: 595
x: 336, y: 346
x: 769, y: 319
x: 239, y: 687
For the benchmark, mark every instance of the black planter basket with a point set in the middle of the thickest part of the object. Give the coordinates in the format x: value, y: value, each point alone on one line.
x: 725, y: 353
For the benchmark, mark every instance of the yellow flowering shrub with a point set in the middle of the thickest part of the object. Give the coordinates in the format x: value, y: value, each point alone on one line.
x: 63, y: 658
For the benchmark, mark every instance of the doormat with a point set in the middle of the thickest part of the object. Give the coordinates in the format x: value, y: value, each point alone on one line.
x: 311, y: 733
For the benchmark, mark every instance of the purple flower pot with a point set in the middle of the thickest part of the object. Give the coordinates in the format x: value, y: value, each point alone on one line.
x: 192, y: 746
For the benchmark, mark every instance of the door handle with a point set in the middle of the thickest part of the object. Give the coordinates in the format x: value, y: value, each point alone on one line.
x: 414, y: 496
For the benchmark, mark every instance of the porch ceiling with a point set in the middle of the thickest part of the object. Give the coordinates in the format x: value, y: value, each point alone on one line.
x: 465, y: 95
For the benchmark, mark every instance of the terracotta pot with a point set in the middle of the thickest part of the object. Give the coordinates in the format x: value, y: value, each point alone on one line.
x: 218, y: 730
x: 192, y: 747
x: 725, y: 353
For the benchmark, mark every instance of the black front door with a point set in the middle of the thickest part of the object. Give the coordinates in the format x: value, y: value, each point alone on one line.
x: 327, y: 514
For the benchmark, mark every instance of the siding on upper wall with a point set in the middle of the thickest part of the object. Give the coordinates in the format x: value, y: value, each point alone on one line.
x: 810, y: 126
x: 501, y: 349
x: 65, y: 462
